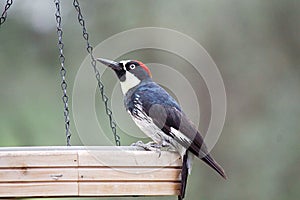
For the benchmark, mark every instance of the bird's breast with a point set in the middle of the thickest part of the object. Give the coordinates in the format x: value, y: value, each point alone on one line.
x: 145, y: 123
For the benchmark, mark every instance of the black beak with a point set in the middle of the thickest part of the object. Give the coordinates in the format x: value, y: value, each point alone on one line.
x: 110, y: 63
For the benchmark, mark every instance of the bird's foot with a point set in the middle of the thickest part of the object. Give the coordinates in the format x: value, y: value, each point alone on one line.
x: 169, y: 148
x: 166, y: 146
x: 138, y: 144
x: 150, y: 146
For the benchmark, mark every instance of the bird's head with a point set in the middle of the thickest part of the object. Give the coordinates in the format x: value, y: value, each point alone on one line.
x: 130, y: 72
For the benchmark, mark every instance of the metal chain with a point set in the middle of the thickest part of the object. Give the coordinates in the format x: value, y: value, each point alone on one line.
x: 4, y: 14
x: 63, y: 71
x: 89, y: 49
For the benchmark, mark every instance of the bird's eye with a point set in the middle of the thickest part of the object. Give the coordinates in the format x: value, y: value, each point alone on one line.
x: 132, y: 66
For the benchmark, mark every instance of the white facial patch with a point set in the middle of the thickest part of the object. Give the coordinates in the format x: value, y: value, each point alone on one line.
x: 130, y: 82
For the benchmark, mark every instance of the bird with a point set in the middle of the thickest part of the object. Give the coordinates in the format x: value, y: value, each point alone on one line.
x: 160, y: 117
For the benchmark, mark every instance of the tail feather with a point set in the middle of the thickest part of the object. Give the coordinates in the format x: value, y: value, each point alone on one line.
x: 184, y: 176
x: 212, y: 163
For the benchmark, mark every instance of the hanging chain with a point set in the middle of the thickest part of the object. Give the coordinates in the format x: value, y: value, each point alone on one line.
x: 63, y: 71
x: 89, y: 49
x: 4, y: 14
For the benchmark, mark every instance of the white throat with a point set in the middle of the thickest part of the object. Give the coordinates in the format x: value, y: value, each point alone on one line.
x: 130, y: 82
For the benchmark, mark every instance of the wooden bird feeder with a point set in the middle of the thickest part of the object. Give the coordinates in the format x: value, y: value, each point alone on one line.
x: 87, y: 172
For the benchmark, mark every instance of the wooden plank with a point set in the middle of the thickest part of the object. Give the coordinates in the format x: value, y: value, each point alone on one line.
x: 128, y: 189
x: 88, y: 189
x: 38, y: 174
x: 71, y: 148
x: 128, y: 158
x: 109, y: 156
x: 88, y: 174
x: 129, y: 174
x: 13, y: 159
x: 38, y: 189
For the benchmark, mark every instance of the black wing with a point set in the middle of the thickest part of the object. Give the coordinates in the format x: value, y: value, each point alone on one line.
x: 170, y: 118
x: 175, y: 124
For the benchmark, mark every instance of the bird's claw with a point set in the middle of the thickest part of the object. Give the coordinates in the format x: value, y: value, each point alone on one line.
x: 150, y: 146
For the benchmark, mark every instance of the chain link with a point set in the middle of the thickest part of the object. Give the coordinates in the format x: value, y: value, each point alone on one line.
x: 89, y: 49
x: 4, y: 14
x: 63, y: 71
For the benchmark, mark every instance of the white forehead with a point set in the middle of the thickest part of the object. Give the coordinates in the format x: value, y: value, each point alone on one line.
x: 124, y: 62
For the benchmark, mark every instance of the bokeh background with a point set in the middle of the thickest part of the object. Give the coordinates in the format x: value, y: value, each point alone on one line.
x: 255, y: 44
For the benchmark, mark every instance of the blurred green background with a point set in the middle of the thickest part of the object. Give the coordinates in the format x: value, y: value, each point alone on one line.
x: 255, y: 44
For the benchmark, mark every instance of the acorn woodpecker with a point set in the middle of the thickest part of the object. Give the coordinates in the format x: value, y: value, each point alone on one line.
x: 160, y: 117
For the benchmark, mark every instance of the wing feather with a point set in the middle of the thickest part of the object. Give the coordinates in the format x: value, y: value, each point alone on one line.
x: 169, y: 118
x: 175, y: 119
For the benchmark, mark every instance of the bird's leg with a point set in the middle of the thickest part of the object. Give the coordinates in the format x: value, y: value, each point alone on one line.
x: 167, y: 146
x: 154, y: 145
x: 138, y: 144
x: 150, y: 146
